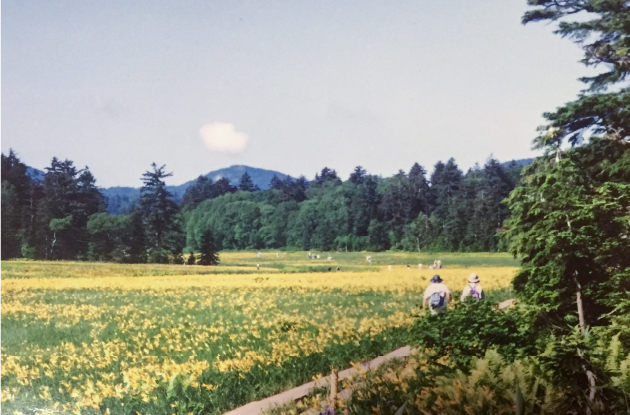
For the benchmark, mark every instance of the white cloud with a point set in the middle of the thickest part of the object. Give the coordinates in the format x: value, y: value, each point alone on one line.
x: 223, y: 137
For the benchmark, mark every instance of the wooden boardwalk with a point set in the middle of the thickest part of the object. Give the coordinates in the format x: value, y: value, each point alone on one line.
x: 258, y: 407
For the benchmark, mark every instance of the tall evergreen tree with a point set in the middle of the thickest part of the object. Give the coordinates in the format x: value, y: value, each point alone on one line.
x: 396, y: 203
x: 11, y: 222
x: 570, y: 226
x: 605, y: 39
x: 15, y: 191
x: 222, y: 186
x: 488, y: 211
x: 199, y: 191
x: 298, y: 190
x: 326, y: 175
x: 446, y: 182
x: 69, y: 197
x: 160, y: 216
x: 246, y: 184
x: 450, y: 215
x: 421, y: 198
x: 138, y: 241
x: 208, y: 250
x: 275, y: 183
x: 570, y: 221
x: 358, y: 175
x: 363, y: 200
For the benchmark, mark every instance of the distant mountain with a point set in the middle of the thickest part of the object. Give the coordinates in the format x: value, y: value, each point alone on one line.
x: 35, y: 174
x: 260, y: 177
x: 120, y: 199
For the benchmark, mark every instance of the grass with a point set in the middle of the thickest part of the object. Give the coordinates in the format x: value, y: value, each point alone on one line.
x: 245, y: 263
x: 164, y: 339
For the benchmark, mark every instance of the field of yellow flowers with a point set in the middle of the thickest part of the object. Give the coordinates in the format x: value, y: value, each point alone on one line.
x: 159, y: 339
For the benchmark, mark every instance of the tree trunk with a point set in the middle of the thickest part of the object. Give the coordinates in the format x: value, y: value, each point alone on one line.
x: 580, y: 305
x: 589, y: 374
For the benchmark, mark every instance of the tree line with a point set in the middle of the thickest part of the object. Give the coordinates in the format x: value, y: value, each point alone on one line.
x: 64, y: 215
x: 448, y: 211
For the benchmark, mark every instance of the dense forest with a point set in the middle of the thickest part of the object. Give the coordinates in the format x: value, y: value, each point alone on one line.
x: 64, y: 215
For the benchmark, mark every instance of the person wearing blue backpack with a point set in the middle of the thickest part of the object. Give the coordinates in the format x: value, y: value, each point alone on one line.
x: 473, y: 289
x: 436, y: 296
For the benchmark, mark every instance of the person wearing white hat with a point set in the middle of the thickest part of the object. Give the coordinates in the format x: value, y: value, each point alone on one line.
x: 473, y: 289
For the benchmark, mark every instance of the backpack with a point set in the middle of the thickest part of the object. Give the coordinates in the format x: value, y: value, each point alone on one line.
x: 436, y: 300
x: 474, y: 293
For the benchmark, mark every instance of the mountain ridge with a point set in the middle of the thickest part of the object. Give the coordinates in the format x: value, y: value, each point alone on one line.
x: 120, y: 198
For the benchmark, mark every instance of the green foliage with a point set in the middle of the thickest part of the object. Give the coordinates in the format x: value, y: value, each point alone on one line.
x: 199, y: 191
x: 326, y: 175
x: 208, y: 250
x: 364, y: 213
x: 570, y: 221
x: 109, y: 237
x: 469, y: 329
x: 246, y: 184
x: 567, y: 358
x: 237, y: 222
x: 160, y: 217
x: 568, y: 225
x: 603, y: 36
x: 489, y: 385
x: 59, y: 222
x: 10, y: 222
x: 455, y: 213
x: 17, y: 190
x: 605, y: 39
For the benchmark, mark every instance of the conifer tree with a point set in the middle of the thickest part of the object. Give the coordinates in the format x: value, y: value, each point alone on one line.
x: 396, y: 203
x: 275, y: 183
x: 15, y: 190
x: 222, y: 186
x: 199, y: 191
x: 246, y: 184
x: 69, y: 198
x: 421, y: 198
x: 208, y: 249
x: 570, y: 221
x: 357, y: 176
x: 605, y: 39
x: 326, y: 175
x: 160, y: 216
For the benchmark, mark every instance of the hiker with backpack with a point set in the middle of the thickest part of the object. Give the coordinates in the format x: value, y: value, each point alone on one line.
x: 473, y: 289
x: 436, y: 296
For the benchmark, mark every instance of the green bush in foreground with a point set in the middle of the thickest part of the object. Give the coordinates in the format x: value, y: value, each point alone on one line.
x: 470, y: 329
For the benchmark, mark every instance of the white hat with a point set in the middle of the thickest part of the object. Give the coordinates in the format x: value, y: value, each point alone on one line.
x: 473, y: 278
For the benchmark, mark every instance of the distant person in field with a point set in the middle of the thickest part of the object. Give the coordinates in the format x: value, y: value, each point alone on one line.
x: 436, y: 296
x: 473, y: 289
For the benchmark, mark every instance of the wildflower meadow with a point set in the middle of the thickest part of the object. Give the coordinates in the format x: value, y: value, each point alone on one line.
x: 92, y: 338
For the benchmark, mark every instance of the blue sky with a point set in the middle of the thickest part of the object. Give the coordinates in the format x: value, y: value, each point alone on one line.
x: 289, y: 86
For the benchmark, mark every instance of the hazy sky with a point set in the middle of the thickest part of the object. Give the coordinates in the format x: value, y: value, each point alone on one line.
x: 290, y: 86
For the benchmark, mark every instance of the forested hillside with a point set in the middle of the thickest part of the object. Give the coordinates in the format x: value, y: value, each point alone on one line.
x: 64, y: 216
x: 448, y: 211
